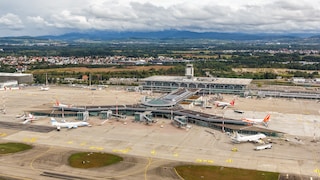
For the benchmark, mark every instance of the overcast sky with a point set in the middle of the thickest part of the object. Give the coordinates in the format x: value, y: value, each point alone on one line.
x: 43, y: 17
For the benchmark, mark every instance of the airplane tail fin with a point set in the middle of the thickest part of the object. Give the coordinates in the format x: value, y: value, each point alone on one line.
x: 31, y: 116
x: 236, y: 134
x: 57, y: 103
x: 266, y: 120
x: 53, y: 120
x: 216, y: 104
x: 232, y: 102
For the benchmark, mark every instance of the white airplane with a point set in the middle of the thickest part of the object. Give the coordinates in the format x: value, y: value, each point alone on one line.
x: 26, y: 118
x: 46, y: 88
x: 68, y: 125
x: 263, y: 121
x: 238, y: 138
x: 58, y: 104
x: 224, y: 104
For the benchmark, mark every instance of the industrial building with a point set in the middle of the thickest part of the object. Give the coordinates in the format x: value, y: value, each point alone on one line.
x: 21, y: 78
x: 205, y: 85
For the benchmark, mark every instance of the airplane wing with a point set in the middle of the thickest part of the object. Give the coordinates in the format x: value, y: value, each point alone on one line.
x: 26, y: 121
x: 72, y: 126
x: 257, y: 141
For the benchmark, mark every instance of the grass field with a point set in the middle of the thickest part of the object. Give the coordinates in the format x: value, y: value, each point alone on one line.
x: 273, y: 70
x: 192, y: 172
x: 6, y: 148
x: 92, y: 159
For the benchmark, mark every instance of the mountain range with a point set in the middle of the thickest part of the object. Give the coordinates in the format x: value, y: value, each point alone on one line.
x: 172, y: 35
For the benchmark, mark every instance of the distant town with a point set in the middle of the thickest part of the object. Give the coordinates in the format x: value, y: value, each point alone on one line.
x: 23, y: 62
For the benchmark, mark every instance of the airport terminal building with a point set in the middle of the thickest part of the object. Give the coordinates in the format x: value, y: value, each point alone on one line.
x: 206, y: 85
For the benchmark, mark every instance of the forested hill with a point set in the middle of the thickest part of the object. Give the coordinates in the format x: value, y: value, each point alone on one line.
x: 170, y: 35
x: 174, y: 34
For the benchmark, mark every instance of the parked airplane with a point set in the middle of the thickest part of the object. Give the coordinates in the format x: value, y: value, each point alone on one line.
x: 238, y: 138
x: 26, y: 118
x: 265, y: 146
x: 68, y: 124
x: 224, y: 104
x: 58, y: 104
x: 46, y: 88
x: 263, y: 121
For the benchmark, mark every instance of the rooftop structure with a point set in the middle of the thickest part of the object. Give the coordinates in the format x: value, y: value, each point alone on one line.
x: 206, y: 85
x: 208, y: 80
x: 170, y: 99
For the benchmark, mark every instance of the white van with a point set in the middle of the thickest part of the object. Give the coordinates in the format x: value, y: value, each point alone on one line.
x: 265, y: 146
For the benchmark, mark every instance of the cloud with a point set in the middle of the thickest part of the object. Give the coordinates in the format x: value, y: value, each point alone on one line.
x: 11, y: 22
x: 67, y: 19
x: 144, y: 15
x: 38, y: 21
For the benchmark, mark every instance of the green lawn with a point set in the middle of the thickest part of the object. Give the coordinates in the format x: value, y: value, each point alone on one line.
x: 6, y: 148
x: 192, y: 172
x: 92, y: 159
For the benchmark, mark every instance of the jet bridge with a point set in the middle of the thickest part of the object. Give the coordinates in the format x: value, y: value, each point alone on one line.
x: 180, y: 121
x: 144, y: 117
x: 105, y: 114
x: 119, y: 116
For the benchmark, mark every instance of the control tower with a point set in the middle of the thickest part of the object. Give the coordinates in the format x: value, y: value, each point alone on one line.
x: 189, y: 71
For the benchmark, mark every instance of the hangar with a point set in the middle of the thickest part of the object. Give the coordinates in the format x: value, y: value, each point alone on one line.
x: 21, y: 78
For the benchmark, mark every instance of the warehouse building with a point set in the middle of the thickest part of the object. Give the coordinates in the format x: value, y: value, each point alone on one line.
x: 21, y: 78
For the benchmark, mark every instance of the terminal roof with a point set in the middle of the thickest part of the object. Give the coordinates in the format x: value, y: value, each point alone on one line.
x: 208, y: 80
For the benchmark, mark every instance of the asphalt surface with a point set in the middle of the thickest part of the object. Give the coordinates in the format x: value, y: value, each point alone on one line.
x: 151, y: 152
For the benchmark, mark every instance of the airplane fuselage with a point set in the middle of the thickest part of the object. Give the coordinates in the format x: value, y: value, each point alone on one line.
x: 249, y: 138
x: 68, y: 124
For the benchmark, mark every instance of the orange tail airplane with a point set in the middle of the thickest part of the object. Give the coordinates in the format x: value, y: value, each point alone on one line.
x: 224, y: 104
x: 263, y: 121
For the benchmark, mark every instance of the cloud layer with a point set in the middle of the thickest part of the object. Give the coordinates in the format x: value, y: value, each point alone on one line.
x: 38, y: 17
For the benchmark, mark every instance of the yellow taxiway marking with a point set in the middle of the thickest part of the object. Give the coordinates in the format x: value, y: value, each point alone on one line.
x: 153, y: 152
x: 30, y: 140
x: 229, y: 160
x: 3, y: 134
x: 204, y: 161
x: 96, y: 148
x: 83, y: 144
x: 39, y: 155
x: 124, y: 151
x: 146, y: 168
x: 70, y: 142
x: 317, y: 170
x: 175, y: 154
